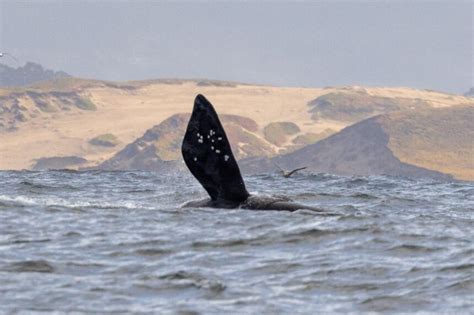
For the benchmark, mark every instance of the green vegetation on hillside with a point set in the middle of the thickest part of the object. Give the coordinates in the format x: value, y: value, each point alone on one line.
x: 85, y: 103
x: 58, y: 162
x: 310, y: 137
x: 353, y: 106
x: 278, y: 132
x: 17, y: 107
x: 105, y: 140
x: 216, y: 83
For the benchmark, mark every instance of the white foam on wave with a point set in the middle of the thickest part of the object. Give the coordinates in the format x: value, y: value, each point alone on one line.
x: 59, y: 202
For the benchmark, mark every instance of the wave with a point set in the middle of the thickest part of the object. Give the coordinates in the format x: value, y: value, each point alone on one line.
x: 339, y: 195
x: 275, y: 237
x: 23, y: 241
x: 29, y: 266
x: 467, y: 285
x: 37, y: 187
x: 461, y: 267
x: 24, y: 201
x: 34, y: 185
x: 363, y: 196
x: 152, y: 252
x: 410, y: 248
x: 192, y: 279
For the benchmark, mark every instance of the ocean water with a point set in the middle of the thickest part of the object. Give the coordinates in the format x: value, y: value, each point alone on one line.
x: 112, y: 242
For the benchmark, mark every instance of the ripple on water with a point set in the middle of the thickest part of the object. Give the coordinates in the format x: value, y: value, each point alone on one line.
x: 30, y: 266
x: 394, y: 303
x: 363, y: 196
x: 407, y: 249
x: 72, y: 234
x: 179, y: 280
x: 119, y: 242
x: 468, y: 267
x: 152, y: 252
x: 195, y: 280
x: 462, y: 285
x: 24, y: 241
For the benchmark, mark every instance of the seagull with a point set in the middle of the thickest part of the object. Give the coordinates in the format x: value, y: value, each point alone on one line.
x: 3, y: 54
x: 287, y: 174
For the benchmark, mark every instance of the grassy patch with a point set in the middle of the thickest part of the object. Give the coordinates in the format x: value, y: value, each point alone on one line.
x: 354, y: 106
x: 216, y: 83
x: 105, y: 140
x: 85, y: 104
x: 58, y: 162
x: 310, y: 137
x: 44, y: 106
x: 278, y: 132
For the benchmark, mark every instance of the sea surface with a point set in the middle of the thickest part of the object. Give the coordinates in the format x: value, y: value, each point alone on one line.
x: 119, y: 242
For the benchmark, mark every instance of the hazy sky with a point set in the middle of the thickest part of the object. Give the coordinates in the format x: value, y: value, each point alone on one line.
x: 399, y: 43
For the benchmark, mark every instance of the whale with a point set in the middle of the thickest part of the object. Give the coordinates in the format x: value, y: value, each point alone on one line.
x: 208, y: 155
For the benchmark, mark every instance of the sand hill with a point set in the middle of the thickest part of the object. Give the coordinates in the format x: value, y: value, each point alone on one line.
x: 91, y: 121
x: 436, y: 143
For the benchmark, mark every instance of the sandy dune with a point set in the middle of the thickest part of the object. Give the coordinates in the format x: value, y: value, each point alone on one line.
x: 128, y: 113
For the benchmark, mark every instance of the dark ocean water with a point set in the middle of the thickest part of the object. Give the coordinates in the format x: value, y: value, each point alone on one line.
x: 119, y: 242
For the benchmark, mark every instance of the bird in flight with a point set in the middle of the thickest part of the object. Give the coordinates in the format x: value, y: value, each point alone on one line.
x: 287, y: 174
x: 3, y: 54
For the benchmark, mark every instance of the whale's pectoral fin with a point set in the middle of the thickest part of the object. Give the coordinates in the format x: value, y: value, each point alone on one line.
x: 208, y: 155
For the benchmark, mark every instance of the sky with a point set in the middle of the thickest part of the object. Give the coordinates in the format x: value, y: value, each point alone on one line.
x: 419, y: 44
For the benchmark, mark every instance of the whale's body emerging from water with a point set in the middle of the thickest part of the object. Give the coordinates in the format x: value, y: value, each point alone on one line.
x: 208, y: 155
